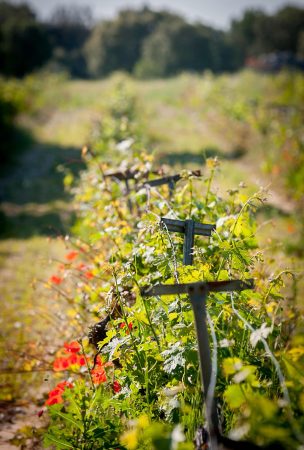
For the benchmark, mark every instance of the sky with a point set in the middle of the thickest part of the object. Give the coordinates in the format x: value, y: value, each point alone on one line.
x: 212, y: 12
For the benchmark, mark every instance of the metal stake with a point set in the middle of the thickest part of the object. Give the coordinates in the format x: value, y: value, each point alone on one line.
x: 189, y: 228
x: 198, y: 293
x: 169, y: 180
x: 123, y: 176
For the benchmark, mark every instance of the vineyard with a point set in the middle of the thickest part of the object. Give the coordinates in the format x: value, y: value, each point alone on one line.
x: 183, y: 186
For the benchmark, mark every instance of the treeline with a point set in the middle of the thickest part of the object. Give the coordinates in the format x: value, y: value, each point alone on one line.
x: 143, y: 42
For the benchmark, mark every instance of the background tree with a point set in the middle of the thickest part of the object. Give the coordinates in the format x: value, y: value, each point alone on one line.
x: 68, y: 29
x: 116, y: 44
x: 257, y: 33
x: 24, y: 44
x: 288, y: 24
x: 145, y: 42
x: 245, y: 35
x: 175, y: 46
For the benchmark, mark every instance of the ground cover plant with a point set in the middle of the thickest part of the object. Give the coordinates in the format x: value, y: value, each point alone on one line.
x: 142, y: 389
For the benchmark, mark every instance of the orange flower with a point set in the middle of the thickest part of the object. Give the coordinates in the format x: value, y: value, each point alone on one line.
x: 72, y: 347
x: 55, y: 279
x: 71, y: 255
x: 99, y: 376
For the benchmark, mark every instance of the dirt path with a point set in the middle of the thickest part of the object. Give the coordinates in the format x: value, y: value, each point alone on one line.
x: 34, y: 207
x: 34, y: 211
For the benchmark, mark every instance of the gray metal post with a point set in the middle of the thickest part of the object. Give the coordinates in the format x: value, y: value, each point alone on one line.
x: 198, y: 293
x: 130, y: 206
x: 188, y: 243
x: 198, y: 302
x: 189, y: 228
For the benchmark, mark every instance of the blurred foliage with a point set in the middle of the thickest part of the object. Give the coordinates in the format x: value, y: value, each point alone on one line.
x: 145, y: 42
x: 14, y: 98
x: 19, y: 97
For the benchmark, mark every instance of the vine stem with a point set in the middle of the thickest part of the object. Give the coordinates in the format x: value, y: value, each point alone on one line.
x: 87, y: 364
x: 126, y: 320
x: 151, y: 325
x: 191, y: 196
x: 209, y: 186
x: 246, y: 204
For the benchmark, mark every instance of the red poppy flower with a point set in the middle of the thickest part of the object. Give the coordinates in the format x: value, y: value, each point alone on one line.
x: 61, y: 363
x: 116, y: 387
x: 99, y: 362
x: 73, y: 359
x: 76, y: 360
x: 55, y: 279
x: 72, y: 347
x: 55, y: 392
x: 89, y: 275
x: 123, y: 325
x: 81, y: 361
x: 71, y: 255
x: 53, y: 400
x: 99, y: 373
x: 55, y: 396
x: 64, y: 384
